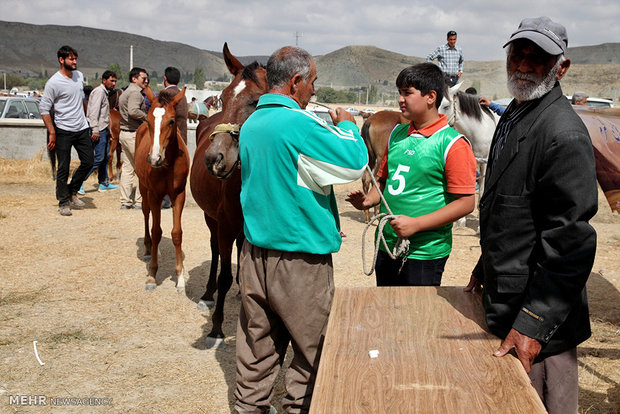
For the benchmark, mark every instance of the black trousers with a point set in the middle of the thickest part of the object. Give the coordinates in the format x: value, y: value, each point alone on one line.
x: 451, y: 80
x: 81, y: 141
x: 413, y: 272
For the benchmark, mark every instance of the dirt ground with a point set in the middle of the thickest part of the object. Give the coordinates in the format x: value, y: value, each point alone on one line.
x: 76, y: 286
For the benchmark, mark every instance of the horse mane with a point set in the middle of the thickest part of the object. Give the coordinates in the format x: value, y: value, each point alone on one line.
x: 165, y: 96
x: 249, y: 72
x: 470, y: 106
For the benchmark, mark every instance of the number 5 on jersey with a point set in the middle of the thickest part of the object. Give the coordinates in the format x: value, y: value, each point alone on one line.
x: 398, y: 177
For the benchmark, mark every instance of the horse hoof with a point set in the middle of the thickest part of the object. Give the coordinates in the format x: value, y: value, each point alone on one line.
x: 215, y: 343
x: 147, y: 258
x: 205, y: 305
x: 150, y: 286
x: 180, y: 289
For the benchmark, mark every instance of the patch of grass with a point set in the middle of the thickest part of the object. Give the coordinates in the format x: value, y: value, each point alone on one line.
x: 76, y: 335
x: 17, y: 298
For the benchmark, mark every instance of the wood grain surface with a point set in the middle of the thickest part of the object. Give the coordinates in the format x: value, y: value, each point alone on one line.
x: 435, y: 356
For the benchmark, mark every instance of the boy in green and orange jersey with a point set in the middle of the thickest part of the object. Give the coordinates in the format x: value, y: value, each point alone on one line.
x: 428, y: 178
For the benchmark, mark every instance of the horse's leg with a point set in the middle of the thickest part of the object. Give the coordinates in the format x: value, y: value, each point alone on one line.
x: 113, y: 144
x: 51, y: 153
x: 177, y: 238
x: 365, y: 187
x: 239, y: 243
x: 151, y: 204
x: 206, y: 302
x: 119, y: 161
x: 215, y: 338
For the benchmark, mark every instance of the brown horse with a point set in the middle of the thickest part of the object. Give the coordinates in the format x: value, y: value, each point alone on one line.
x: 216, y: 180
x: 376, y: 132
x: 162, y: 165
x: 115, y: 148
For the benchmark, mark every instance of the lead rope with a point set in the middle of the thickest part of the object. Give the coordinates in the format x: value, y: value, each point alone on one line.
x: 401, y: 249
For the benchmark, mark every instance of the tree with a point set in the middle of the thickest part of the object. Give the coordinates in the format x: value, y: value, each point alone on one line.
x: 13, y: 80
x: 199, y: 78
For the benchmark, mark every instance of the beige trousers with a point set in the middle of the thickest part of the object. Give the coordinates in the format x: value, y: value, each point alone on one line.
x: 128, y: 173
x: 285, y: 298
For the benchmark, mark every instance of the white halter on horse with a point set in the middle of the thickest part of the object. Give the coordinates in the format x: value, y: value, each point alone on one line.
x: 476, y: 122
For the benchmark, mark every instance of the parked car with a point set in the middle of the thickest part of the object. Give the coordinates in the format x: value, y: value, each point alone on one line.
x: 18, y: 107
x: 596, y: 102
x: 321, y: 112
x: 352, y: 111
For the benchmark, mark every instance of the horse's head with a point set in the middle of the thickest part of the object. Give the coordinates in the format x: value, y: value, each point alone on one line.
x: 449, y: 103
x: 161, y: 123
x: 239, y: 100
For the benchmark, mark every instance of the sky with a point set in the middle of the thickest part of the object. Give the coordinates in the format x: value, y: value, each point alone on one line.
x: 410, y: 27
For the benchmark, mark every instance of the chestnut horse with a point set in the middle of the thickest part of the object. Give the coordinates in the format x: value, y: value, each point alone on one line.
x: 162, y: 165
x: 114, y: 147
x: 216, y: 180
x: 375, y: 132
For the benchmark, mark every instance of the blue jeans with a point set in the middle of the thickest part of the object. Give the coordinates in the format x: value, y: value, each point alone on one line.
x: 101, y: 148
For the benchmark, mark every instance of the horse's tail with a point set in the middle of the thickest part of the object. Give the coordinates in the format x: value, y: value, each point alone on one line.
x: 365, y: 132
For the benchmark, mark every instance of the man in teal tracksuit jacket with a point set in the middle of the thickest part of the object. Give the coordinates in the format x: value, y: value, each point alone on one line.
x: 290, y: 159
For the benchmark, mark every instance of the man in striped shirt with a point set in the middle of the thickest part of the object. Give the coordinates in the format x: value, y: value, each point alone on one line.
x: 449, y: 58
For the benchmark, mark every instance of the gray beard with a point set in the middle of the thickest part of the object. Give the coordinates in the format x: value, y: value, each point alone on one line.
x: 527, y: 91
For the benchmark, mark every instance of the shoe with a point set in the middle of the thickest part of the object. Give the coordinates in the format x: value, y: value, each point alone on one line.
x: 106, y: 187
x: 65, y: 211
x: 76, y: 202
x: 81, y: 190
x: 126, y: 207
x: 137, y: 206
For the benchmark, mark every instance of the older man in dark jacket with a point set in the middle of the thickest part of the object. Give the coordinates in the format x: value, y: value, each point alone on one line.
x: 537, y: 245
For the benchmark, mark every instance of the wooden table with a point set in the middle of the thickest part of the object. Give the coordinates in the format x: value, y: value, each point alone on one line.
x: 434, y: 356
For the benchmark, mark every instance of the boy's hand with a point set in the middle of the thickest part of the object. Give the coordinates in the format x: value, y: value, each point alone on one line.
x: 405, y: 226
x: 357, y: 199
x: 340, y: 115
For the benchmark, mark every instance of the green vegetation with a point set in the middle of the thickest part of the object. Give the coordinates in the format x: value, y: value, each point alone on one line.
x: 199, y: 78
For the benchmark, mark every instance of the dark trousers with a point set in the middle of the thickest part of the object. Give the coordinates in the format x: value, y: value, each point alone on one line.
x: 413, y: 272
x: 100, y: 148
x: 451, y: 80
x: 81, y: 142
x: 556, y: 381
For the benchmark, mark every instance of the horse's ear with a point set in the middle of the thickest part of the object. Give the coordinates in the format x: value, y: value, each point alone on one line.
x: 454, y: 89
x: 234, y: 66
x: 149, y: 94
x: 177, y: 98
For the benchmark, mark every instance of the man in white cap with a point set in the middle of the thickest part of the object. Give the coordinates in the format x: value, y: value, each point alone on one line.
x: 537, y: 245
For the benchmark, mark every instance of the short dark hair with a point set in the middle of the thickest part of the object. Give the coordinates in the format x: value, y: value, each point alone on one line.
x: 66, y: 51
x: 471, y: 90
x: 451, y: 33
x: 425, y: 77
x: 108, y: 74
x: 173, y: 75
x: 87, y: 90
x: 134, y: 72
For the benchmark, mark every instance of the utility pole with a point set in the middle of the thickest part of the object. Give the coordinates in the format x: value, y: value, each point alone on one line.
x: 130, y: 58
x: 297, y: 36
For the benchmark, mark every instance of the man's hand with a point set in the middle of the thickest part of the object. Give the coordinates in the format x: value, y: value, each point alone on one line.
x: 459, y: 74
x: 473, y: 285
x: 51, y: 140
x: 357, y: 199
x: 485, y: 102
x: 340, y: 115
x: 95, y: 136
x: 526, y: 348
x: 405, y: 226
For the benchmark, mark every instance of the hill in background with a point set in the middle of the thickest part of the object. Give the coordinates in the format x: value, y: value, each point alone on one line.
x: 31, y: 49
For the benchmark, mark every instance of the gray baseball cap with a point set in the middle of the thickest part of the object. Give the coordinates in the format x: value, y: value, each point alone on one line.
x: 544, y: 32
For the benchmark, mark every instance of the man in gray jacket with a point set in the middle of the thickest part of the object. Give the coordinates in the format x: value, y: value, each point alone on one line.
x: 133, y: 113
x: 537, y: 245
x: 98, y: 114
